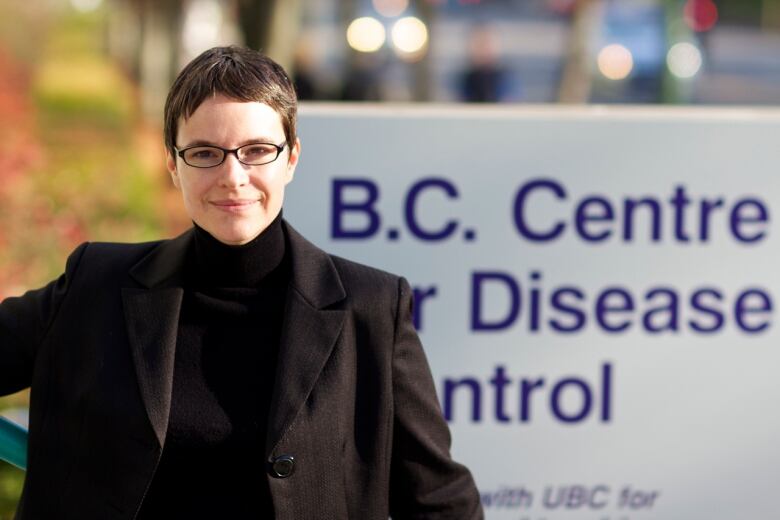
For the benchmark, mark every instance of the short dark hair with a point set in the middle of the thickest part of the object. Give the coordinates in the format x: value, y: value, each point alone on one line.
x: 235, y: 72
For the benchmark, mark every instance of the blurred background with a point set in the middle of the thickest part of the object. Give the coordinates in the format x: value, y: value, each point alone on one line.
x: 83, y: 83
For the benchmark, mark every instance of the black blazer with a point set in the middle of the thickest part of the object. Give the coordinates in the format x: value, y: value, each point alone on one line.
x: 355, y: 429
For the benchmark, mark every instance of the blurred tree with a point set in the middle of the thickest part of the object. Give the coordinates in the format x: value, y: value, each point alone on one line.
x: 272, y: 27
x: 742, y: 12
x: 770, y: 14
x: 576, y: 78
x: 254, y: 20
x: 146, y: 37
x: 158, y: 51
x: 422, y: 83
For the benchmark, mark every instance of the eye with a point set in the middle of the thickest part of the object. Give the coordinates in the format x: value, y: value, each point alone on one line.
x: 257, y: 151
x: 202, y: 153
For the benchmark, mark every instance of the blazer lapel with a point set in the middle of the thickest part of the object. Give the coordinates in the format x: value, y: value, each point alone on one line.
x: 309, y: 332
x: 152, y: 319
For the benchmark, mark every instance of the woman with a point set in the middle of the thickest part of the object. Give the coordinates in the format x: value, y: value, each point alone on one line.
x: 235, y: 371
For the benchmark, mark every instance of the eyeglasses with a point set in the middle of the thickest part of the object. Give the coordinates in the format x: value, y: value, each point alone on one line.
x: 254, y: 154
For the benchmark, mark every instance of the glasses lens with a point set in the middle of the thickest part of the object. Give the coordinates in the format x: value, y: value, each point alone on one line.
x: 258, y: 153
x: 203, y: 156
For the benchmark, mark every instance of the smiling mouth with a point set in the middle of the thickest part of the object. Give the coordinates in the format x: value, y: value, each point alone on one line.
x: 234, y: 205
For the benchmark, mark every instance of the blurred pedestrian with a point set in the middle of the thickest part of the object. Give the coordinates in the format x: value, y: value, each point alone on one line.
x: 484, y: 79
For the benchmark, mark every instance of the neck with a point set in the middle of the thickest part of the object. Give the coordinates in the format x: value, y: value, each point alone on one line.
x: 221, y: 265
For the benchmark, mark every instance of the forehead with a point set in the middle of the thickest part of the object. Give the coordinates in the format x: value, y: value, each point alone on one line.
x: 221, y: 119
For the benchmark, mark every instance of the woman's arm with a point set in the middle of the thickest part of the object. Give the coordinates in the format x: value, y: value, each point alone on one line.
x: 24, y: 323
x: 425, y: 482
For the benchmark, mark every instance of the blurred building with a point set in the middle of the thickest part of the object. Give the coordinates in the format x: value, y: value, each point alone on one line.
x: 545, y: 51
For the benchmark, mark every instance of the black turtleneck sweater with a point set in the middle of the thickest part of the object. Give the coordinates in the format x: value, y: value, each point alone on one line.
x: 213, y: 462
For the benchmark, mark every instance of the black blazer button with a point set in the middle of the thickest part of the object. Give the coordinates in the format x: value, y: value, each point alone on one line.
x: 282, y: 466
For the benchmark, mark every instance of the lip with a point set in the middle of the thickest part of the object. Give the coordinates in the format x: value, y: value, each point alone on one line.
x: 234, y: 204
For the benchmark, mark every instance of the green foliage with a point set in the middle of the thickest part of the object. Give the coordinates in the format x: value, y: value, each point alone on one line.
x: 81, y: 175
x: 11, y: 481
x: 88, y: 91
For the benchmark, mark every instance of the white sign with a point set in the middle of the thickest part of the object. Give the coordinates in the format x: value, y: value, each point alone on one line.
x: 597, y: 293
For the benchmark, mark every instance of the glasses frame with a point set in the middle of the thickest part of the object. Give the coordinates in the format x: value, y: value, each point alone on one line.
x: 228, y: 151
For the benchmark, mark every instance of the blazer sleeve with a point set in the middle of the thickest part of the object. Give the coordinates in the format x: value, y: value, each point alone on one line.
x: 24, y: 322
x: 425, y: 483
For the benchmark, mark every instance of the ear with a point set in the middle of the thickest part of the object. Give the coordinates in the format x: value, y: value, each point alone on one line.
x: 170, y: 163
x: 292, y: 162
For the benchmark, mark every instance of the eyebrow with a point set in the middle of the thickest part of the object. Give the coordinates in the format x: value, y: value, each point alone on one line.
x: 205, y: 142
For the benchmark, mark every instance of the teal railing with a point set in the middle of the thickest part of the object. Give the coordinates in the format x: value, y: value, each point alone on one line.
x: 13, y: 443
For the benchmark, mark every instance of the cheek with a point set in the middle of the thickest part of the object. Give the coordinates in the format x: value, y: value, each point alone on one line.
x: 279, y: 181
x: 193, y: 190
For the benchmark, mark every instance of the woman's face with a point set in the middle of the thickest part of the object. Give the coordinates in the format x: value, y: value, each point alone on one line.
x: 234, y: 202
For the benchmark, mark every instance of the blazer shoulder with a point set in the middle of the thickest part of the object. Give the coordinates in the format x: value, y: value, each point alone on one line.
x: 124, y: 248
x: 369, y: 286
x: 103, y: 261
x: 119, y: 253
x: 351, y: 271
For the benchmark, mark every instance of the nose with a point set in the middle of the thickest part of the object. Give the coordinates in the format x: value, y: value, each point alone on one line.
x: 233, y: 173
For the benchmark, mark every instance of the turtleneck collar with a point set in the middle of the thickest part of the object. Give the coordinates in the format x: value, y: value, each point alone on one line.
x: 221, y: 265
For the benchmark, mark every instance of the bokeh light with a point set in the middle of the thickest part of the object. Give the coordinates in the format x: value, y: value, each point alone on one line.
x: 366, y: 34
x: 410, y: 36
x: 684, y: 60
x: 390, y: 8
x: 615, y: 61
x: 700, y: 15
